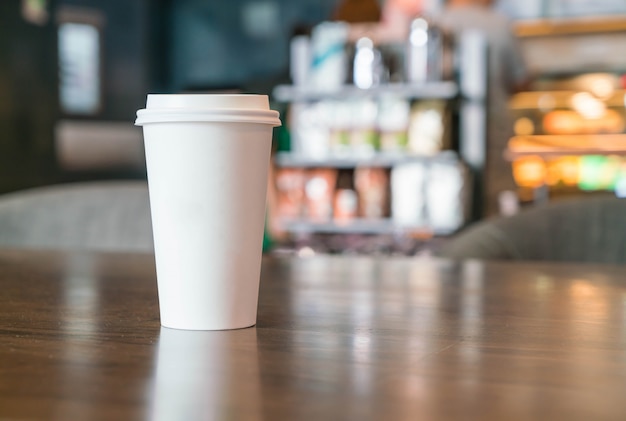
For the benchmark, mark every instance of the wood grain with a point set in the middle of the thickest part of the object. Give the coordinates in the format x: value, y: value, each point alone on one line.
x: 337, y: 338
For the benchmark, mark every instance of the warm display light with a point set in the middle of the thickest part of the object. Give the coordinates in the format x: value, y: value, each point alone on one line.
x: 529, y: 171
x: 587, y: 172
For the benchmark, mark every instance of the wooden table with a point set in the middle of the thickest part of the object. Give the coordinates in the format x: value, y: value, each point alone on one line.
x: 337, y: 338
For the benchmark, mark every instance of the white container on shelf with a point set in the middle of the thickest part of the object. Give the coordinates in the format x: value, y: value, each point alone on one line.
x: 309, y: 130
x: 329, y: 61
x: 424, y: 52
x: 407, y: 194
x: 445, y: 196
x: 300, y: 60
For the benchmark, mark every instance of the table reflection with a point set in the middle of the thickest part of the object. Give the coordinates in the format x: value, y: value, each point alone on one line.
x: 206, y: 375
x: 463, y: 322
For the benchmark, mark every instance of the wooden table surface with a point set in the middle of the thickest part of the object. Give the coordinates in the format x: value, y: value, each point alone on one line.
x: 337, y: 338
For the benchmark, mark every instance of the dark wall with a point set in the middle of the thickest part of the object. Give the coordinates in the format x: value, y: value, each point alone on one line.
x: 181, y: 45
x: 147, y: 46
x: 236, y: 43
x: 132, y: 65
x: 28, y: 98
x: 128, y: 64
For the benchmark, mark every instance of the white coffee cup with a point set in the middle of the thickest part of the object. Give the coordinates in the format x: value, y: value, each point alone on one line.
x: 207, y: 159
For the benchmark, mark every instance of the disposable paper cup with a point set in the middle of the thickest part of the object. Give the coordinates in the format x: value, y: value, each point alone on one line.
x: 207, y: 159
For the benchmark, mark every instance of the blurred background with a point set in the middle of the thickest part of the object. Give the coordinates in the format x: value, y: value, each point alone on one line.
x: 395, y: 135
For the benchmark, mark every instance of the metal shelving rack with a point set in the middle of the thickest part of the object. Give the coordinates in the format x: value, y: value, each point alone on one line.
x: 468, y: 93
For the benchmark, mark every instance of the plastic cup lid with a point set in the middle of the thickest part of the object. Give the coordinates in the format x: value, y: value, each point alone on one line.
x: 243, y: 108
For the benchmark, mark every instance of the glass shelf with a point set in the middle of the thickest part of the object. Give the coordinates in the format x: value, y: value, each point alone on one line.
x: 566, y: 145
x: 430, y: 90
x: 294, y: 160
x: 361, y: 226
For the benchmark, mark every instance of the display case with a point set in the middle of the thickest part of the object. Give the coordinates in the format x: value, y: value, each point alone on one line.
x: 570, y: 130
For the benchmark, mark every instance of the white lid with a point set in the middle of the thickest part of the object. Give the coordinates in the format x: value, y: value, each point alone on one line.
x: 242, y: 108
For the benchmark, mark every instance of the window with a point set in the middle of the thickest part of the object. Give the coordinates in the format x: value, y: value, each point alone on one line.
x: 80, y: 79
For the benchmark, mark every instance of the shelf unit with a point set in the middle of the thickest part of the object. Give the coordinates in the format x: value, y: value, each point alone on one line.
x: 466, y: 94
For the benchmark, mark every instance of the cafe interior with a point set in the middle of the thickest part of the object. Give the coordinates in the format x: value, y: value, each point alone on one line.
x: 436, y: 246
x: 375, y: 155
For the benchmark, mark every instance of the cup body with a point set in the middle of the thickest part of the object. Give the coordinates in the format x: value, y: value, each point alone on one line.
x: 207, y: 181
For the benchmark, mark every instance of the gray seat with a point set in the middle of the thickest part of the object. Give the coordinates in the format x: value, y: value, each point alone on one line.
x: 591, y: 229
x: 103, y: 215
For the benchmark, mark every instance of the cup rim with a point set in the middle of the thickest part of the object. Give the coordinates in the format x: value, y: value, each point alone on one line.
x: 225, y: 115
x: 207, y: 101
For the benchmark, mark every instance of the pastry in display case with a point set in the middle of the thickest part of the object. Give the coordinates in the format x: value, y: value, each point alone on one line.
x: 570, y: 136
